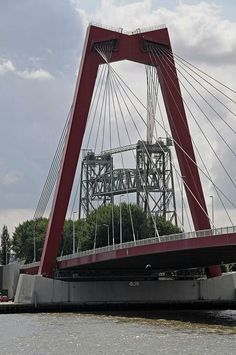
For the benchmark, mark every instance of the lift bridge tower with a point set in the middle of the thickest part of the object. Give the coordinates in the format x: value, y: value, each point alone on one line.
x: 151, y: 180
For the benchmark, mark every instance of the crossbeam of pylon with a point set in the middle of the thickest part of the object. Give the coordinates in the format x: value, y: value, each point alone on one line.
x: 134, y: 48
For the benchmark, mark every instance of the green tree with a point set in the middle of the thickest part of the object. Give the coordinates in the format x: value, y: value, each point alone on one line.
x: 91, y: 232
x: 34, y: 231
x: 164, y: 227
x: 104, y: 222
x: 24, y: 237
x: 133, y: 219
x: 5, y: 246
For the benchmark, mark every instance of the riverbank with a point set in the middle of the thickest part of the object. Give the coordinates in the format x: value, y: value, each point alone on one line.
x: 11, y: 307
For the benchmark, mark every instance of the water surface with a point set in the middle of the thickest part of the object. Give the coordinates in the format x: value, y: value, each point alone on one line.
x: 164, y: 332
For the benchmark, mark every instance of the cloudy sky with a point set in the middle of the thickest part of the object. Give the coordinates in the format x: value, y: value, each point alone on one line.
x: 40, y: 48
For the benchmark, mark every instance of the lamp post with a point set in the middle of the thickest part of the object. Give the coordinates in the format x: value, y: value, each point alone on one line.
x: 95, y: 234
x: 108, y: 234
x: 182, y: 201
x: 73, y: 241
x: 6, y: 261
x: 212, y: 211
x: 34, y: 259
x: 121, y: 232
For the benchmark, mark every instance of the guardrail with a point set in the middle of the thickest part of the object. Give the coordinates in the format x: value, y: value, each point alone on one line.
x: 147, y: 241
x: 121, y: 30
x: 31, y: 265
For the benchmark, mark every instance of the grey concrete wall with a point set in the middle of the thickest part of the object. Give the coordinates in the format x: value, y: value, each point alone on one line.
x: 220, y: 288
x: 1, y: 276
x: 10, y: 278
x: 37, y: 289
x: 134, y: 291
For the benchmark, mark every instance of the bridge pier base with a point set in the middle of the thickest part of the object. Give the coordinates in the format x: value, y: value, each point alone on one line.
x: 35, y: 289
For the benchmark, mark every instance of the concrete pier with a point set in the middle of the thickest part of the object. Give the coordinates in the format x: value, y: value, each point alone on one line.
x: 34, y: 289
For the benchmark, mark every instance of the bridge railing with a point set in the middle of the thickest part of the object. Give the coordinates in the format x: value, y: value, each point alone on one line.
x: 148, y: 241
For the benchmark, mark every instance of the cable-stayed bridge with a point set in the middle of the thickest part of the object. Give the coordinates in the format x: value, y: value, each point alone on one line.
x: 164, y: 154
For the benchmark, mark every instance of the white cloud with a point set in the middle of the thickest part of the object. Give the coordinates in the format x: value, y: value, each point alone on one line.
x: 10, y: 178
x: 38, y: 74
x: 6, y: 66
x: 198, y: 31
x: 12, y: 217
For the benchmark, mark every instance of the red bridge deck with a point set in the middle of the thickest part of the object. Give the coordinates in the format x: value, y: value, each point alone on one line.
x: 180, y: 251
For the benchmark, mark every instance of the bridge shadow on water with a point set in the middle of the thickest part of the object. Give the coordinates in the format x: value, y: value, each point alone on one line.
x: 226, y: 318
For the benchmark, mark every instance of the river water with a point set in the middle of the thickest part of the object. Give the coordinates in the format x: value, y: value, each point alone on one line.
x: 158, y: 332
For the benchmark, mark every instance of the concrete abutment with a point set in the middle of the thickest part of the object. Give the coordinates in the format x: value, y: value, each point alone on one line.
x: 34, y: 289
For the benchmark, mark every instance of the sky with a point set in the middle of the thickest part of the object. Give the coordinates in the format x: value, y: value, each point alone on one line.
x: 40, y: 48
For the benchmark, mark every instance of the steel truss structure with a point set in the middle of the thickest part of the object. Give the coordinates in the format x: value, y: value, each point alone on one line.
x: 152, y: 179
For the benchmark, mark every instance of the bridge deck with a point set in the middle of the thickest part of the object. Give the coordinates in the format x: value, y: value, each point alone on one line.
x: 179, y: 251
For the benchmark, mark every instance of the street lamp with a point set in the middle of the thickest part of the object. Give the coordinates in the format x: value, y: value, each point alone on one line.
x: 182, y: 200
x: 108, y: 234
x: 121, y: 232
x: 95, y: 234
x: 73, y: 241
x: 34, y: 242
x: 212, y: 211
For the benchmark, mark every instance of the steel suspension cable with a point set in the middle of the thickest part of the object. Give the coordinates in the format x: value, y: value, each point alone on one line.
x: 184, y: 66
x: 154, y: 63
x: 138, y: 130
x: 110, y: 91
x: 179, y: 71
x: 101, y: 111
x: 110, y: 147
x: 135, y: 96
x: 114, y: 82
x: 200, y: 156
x: 94, y: 106
x: 52, y: 174
x: 99, y: 85
x: 155, y: 86
x: 121, y: 154
x: 163, y: 123
x: 196, y: 145
x: 206, y: 140
x: 102, y: 77
x: 180, y: 176
x: 106, y: 52
x: 96, y: 97
x: 177, y: 177
x: 201, y: 71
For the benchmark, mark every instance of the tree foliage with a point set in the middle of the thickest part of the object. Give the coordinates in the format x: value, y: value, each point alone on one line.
x: 5, y: 246
x: 99, y: 229
x: 23, y: 239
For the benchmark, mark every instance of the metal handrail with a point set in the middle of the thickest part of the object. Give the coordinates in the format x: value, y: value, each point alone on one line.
x: 33, y: 264
x: 155, y: 240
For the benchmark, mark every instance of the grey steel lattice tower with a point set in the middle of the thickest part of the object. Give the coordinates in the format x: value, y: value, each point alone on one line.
x: 151, y: 180
x: 155, y: 187
x: 96, y: 175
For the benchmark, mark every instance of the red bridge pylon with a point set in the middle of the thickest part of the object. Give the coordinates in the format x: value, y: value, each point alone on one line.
x: 134, y: 47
